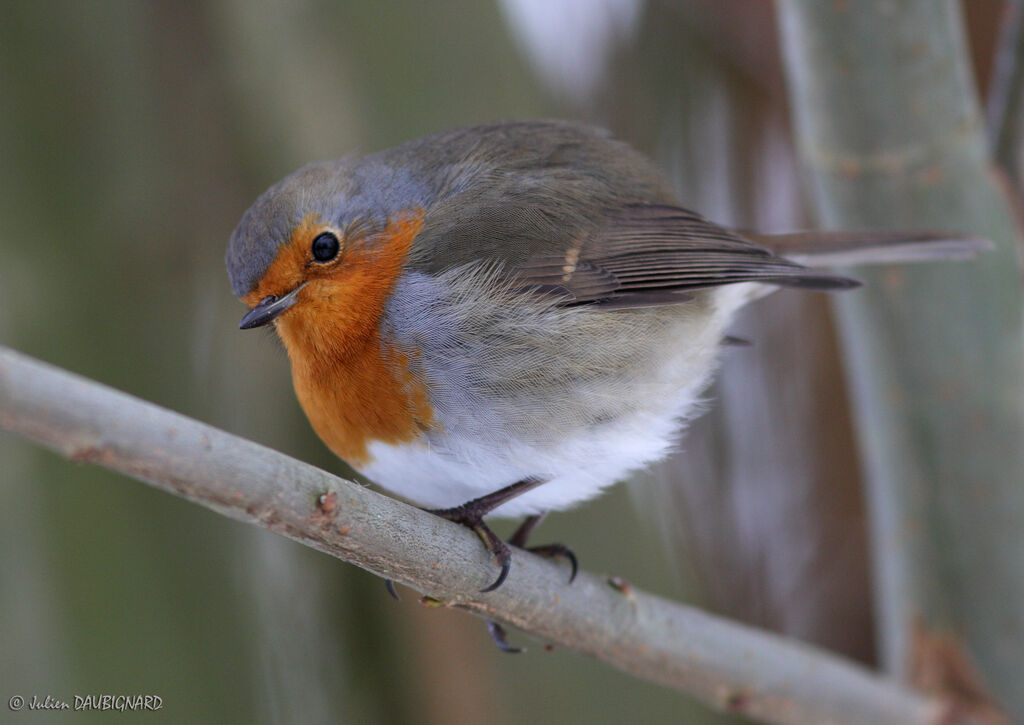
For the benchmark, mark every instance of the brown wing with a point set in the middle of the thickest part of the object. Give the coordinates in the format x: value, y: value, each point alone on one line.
x: 648, y: 255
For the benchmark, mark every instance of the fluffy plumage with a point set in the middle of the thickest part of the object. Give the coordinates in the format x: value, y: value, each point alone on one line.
x: 561, y: 313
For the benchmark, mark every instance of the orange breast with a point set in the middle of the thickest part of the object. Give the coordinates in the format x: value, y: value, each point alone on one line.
x: 354, y: 387
x: 370, y: 395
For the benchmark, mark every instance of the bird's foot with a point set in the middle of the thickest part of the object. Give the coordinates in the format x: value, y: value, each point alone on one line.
x: 471, y: 515
x: 554, y: 551
x: 550, y: 551
x: 558, y: 551
x: 492, y: 543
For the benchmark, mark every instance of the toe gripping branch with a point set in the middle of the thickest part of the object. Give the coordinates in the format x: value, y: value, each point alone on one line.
x: 519, y: 539
x: 471, y: 515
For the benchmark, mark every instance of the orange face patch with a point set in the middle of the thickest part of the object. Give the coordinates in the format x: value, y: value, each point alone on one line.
x: 353, y: 387
x: 292, y: 265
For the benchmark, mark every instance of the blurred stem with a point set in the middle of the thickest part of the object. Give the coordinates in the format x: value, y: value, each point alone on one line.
x: 1006, y: 95
x: 889, y: 128
x: 729, y: 666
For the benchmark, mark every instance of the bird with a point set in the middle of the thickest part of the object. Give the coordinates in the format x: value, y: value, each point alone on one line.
x: 506, y: 319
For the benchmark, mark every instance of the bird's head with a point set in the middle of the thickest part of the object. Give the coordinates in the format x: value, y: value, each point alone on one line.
x: 319, y: 252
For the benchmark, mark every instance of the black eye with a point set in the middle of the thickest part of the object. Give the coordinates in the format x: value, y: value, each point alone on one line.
x: 325, y: 247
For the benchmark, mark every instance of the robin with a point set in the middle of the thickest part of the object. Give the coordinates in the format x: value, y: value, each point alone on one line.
x: 507, y: 319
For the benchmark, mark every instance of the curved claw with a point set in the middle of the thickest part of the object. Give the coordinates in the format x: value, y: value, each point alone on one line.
x: 574, y: 563
x: 471, y: 519
x: 471, y: 515
x: 390, y: 586
x: 558, y: 550
x: 506, y: 565
x: 499, y: 635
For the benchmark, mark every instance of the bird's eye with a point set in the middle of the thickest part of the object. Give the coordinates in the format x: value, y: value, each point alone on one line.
x: 325, y: 247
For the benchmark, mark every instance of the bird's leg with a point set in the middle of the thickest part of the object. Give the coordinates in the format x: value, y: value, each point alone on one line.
x: 471, y: 515
x: 550, y: 551
x: 522, y: 533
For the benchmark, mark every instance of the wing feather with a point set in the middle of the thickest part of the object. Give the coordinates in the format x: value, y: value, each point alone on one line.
x: 645, y: 255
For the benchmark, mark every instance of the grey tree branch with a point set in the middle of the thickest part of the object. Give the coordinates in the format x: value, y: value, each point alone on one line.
x: 726, y: 665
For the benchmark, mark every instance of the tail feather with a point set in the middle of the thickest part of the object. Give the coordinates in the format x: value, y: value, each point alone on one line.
x: 824, y: 249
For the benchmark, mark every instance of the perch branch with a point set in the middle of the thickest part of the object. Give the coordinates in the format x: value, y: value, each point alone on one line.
x: 727, y: 665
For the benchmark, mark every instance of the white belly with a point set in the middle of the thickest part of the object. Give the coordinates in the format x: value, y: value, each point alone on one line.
x: 575, y: 469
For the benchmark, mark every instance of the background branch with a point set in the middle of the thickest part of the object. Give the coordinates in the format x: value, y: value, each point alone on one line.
x: 890, y: 132
x: 1006, y: 95
x: 727, y: 665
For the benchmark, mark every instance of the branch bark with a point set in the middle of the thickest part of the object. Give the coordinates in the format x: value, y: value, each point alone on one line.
x: 728, y: 666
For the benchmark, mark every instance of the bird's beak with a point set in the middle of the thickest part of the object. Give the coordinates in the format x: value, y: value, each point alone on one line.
x: 268, y: 309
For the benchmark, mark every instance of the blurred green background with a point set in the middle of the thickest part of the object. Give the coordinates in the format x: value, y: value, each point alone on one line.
x: 132, y: 138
